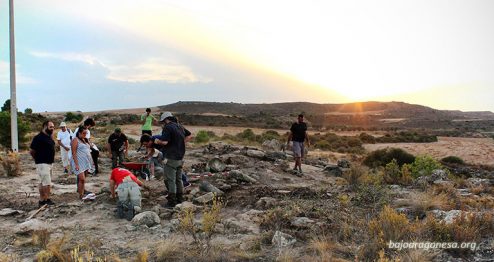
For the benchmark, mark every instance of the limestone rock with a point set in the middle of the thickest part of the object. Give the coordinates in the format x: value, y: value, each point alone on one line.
x: 148, y: 218
x: 204, y: 199
x: 281, y: 240
x: 215, y: 165
x: 255, y: 153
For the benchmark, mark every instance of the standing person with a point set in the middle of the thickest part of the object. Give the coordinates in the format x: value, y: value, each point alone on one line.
x: 173, y: 138
x: 147, y: 118
x: 42, y: 149
x: 88, y: 124
x: 118, y: 146
x: 81, y: 161
x: 64, y: 136
x: 127, y: 187
x: 298, y: 134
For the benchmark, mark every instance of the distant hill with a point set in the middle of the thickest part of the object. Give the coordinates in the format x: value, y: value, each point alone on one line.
x: 364, y: 115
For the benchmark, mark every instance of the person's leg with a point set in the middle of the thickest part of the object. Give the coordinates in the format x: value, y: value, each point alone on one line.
x: 170, y: 174
x: 135, y: 195
x: 113, y: 159
x: 178, y: 183
x: 65, y: 159
x: 120, y: 158
x: 81, y: 183
x: 94, y: 156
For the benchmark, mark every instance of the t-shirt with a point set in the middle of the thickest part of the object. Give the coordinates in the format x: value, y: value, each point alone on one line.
x: 298, y: 131
x: 119, y: 174
x: 149, y: 121
x: 88, y: 134
x: 175, y: 135
x: 65, y: 137
x: 44, y: 149
x: 117, y: 142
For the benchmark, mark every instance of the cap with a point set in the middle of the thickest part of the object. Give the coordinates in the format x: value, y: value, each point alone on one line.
x: 63, y: 124
x: 165, y: 115
x: 118, y: 130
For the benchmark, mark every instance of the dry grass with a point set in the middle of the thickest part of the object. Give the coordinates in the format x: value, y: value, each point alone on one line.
x: 9, y: 257
x: 41, y: 238
x: 142, y: 256
x: 420, y: 202
x: 169, y: 250
x: 11, y: 164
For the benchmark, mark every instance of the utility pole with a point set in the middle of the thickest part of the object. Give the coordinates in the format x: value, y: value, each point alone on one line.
x: 13, y: 102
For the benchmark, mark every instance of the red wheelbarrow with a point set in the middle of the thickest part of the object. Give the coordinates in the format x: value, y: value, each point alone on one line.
x: 138, y: 168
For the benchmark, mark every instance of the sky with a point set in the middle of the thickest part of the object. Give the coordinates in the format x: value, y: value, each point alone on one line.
x: 93, y: 55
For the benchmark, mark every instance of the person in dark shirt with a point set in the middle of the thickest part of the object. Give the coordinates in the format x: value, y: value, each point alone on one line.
x: 298, y: 135
x: 118, y: 146
x: 173, y: 139
x: 42, y: 150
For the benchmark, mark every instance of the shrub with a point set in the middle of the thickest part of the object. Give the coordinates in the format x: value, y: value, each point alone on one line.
x: 383, y: 156
x: 371, y: 195
x: 202, y: 137
x: 423, y: 166
x: 390, y: 225
x: 74, y: 118
x: 453, y: 160
x: 247, y: 134
x: 354, y: 175
x: 5, y: 132
x: 11, y: 164
x: 366, y: 138
x: 28, y: 111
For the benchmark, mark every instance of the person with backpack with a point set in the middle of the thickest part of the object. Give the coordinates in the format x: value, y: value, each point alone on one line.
x: 173, y: 139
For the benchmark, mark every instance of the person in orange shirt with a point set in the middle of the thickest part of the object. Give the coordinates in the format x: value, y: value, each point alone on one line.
x: 128, y: 188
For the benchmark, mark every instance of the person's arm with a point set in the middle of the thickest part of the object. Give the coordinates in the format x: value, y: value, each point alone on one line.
x: 188, y: 135
x: 160, y: 142
x: 32, y: 152
x: 108, y: 148
x: 112, y: 188
x: 289, y: 138
x: 135, y: 179
x: 307, y: 138
x: 73, y: 146
x: 126, y: 146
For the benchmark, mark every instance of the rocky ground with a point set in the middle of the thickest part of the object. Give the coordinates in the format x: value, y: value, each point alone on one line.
x: 265, y: 212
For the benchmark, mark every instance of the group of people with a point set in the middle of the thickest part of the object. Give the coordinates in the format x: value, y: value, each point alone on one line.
x: 165, y: 153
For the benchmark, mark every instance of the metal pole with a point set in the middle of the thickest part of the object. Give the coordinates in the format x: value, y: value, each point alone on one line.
x: 13, y: 101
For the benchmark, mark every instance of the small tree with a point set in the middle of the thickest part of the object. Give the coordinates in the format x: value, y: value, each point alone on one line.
x: 424, y: 165
x: 5, y: 134
x: 71, y: 117
x: 28, y: 111
x: 6, y: 106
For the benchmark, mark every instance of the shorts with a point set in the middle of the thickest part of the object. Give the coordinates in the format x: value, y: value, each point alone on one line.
x: 44, y: 172
x: 298, y: 149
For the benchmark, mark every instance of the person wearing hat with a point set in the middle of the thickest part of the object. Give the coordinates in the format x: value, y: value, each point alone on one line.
x: 173, y: 139
x: 118, y: 146
x: 64, y: 136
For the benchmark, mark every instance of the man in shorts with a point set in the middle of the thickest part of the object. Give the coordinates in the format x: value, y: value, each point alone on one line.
x: 42, y: 150
x: 298, y: 135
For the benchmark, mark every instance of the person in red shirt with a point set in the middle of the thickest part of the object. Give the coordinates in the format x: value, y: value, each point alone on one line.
x: 126, y: 185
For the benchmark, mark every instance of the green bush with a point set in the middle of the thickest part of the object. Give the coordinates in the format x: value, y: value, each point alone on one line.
x: 202, y: 137
x: 247, y: 134
x: 453, y: 160
x: 423, y: 166
x: 74, y: 118
x: 5, y: 132
x: 269, y: 135
x: 366, y: 138
x: 383, y: 156
x: 28, y: 111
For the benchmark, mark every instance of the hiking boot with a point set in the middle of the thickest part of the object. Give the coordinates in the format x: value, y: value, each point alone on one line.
x: 129, y: 212
x: 172, y: 201
x: 120, y: 210
x: 41, y: 203
x: 180, y: 198
x: 49, y: 202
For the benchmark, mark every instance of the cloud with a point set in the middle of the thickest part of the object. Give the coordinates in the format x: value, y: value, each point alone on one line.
x: 155, y: 71
x: 150, y: 70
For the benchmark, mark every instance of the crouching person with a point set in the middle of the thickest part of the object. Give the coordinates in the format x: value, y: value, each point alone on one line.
x: 128, y: 188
